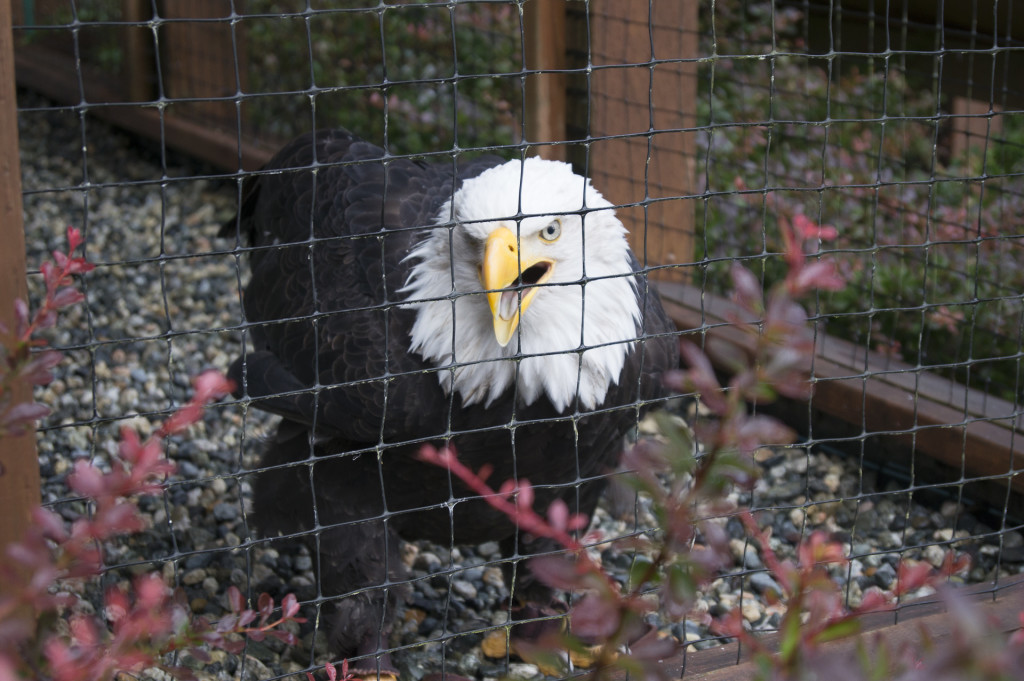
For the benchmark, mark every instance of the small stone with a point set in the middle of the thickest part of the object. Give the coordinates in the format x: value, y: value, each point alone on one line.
x: 255, y: 670
x: 494, y: 577
x: 468, y: 664
x: 427, y: 561
x: 225, y: 511
x: 763, y: 583
x: 494, y: 644
x: 464, y: 588
x: 488, y: 549
x: 521, y: 671
x: 831, y: 482
x: 934, y: 555
x: 1013, y: 540
x: 745, y: 554
x: 409, y: 553
x: 211, y: 587
x: 193, y: 577
x: 950, y: 508
x: 752, y: 610
x: 473, y: 574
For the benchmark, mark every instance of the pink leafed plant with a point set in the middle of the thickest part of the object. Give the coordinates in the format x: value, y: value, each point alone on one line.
x: 139, y: 626
x: 688, y: 552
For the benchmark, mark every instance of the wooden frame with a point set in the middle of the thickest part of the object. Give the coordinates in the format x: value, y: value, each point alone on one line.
x: 19, y: 468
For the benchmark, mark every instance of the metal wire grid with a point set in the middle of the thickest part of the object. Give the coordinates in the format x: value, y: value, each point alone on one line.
x: 760, y: 67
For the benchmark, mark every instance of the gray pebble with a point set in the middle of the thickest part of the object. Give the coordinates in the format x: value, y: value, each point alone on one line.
x: 225, y: 511
x: 464, y: 589
x: 885, y: 575
x: 764, y: 583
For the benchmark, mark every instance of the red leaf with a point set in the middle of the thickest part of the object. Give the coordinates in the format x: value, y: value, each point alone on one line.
x: 37, y: 370
x: 746, y: 288
x: 558, y: 514
x: 23, y: 415
x: 595, y: 618
x: 525, y: 498
x: 233, y: 647
x: 21, y: 315
x: 67, y: 296
x: 653, y: 647
x: 290, y: 606
x: 74, y: 238
x: 558, y: 572
x: 285, y: 636
x: 235, y: 601
x: 211, y: 385
x: 87, y: 480
x: 265, y: 605
x: 912, y: 577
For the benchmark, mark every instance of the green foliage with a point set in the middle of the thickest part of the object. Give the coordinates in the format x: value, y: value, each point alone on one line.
x: 927, y: 241
x: 410, y: 77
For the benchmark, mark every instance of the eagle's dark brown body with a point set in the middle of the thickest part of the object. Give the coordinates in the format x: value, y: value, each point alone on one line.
x: 329, y: 228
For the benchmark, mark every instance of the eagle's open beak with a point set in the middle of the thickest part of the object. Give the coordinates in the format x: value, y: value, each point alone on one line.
x: 500, y: 270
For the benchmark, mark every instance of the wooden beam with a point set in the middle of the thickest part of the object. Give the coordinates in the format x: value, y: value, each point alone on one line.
x: 19, y: 467
x: 53, y: 75
x: 999, y: 607
x: 959, y: 426
x: 545, y: 43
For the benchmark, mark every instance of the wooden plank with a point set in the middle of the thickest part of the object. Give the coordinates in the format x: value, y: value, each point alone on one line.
x: 546, y: 93
x: 1000, y: 607
x: 973, y: 432
x: 53, y: 75
x: 19, y: 468
x: 641, y: 101
x: 139, y: 64
x: 198, y: 60
x: 848, y: 359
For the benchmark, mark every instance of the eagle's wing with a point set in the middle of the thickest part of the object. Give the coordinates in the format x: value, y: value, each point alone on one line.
x: 658, y: 347
x: 330, y: 220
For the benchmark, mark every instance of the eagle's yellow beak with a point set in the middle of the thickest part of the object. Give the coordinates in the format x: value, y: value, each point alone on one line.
x: 500, y: 270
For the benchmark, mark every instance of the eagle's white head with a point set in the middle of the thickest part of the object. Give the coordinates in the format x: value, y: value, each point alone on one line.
x: 527, y: 281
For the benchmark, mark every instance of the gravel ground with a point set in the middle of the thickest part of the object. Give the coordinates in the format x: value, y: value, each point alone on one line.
x: 163, y: 304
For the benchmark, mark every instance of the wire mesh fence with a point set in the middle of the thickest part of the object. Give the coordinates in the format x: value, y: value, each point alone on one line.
x: 705, y: 123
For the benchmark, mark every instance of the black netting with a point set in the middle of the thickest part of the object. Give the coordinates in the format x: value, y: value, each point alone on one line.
x: 707, y: 125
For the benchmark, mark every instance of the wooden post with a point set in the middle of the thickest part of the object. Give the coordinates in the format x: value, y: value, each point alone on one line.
x: 640, y: 98
x: 19, y: 467
x: 198, y: 59
x: 546, y: 93
x: 139, y: 65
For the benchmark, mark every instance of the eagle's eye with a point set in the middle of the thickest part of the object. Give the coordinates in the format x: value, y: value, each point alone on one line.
x: 552, y: 231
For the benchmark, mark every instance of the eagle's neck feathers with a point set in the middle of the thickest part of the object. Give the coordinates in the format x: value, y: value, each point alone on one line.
x: 574, y: 338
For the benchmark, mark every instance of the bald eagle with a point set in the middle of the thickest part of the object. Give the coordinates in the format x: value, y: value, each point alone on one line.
x: 491, y: 305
